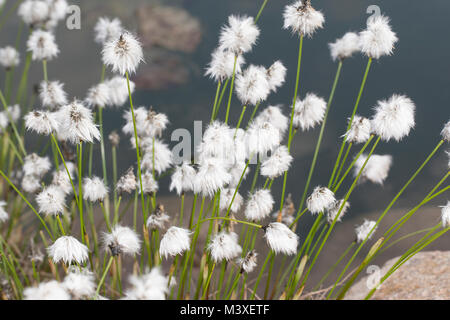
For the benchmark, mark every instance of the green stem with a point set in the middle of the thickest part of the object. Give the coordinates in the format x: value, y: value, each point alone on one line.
x: 361, y: 90
x: 240, y: 120
x: 111, y: 259
x: 28, y: 203
x: 219, y: 84
x: 261, y: 10
x: 291, y: 123
x: 384, y: 213
x: 231, y: 89
x: 353, y: 186
x: 319, y: 141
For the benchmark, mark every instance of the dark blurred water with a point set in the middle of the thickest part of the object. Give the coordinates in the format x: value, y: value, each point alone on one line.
x: 419, y: 68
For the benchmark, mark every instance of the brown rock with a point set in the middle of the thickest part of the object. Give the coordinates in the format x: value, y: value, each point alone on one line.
x: 426, y: 276
x: 172, y: 28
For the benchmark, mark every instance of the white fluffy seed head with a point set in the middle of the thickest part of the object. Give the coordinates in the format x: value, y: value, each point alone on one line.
x: 446, y: 132
x: 51, y: 290
x: 158, y: 219
x: 35, y: 165
x: 378, y: 39
x: 51, y: 201
x: 61, y: 178
x: 252, y: 85
x: 363, y: 231
x: 345, y: 47
x: 77, y: 124
x: 309, y: 112
x: 218, y: 142
x: 149, y: 185
x: 212, y: 176
x: 94, y: 189
x: 394, y: 118
x: 174, y: 242
x: 302, y: 19
x: 123, y: 54
x: 281, y: 239
x: 107, y: 30
x: 80, y: 283
x: 127, y: 182
x: 334, y: 211
x: 42, y: 122
x: 249, y: 262
x: 157, y: 155
x: 118, y: 90
x: 278, y: 163
x: 149, y: 123
x: 222, y: 65
x: 275, y: 117
x: 262, y: 137
x: 224, y: 246
x: 183, y: 178
x: 69, y: 250
x: 9, y: 57
x: 259, y: 205
x: 57, y: 9
x: 33, y: 12
x: 239, y: 35
x: 152, y: 285
x: 360, y: 130
x: 3, y: 214
x: 320, y: 200
x: 98, y: 96
x: 52, y: 94
x: 114, y: 138
x: 226, y: 196
x: 30, y: 183
x: 276, y: 75
x: 42, y: 45
x: 445, y: 215
x: 236, y: 173
x: 122, y: 240
x: 376, y: 170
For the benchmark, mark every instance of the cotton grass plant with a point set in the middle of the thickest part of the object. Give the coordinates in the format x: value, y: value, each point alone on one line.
x: 75, y: 242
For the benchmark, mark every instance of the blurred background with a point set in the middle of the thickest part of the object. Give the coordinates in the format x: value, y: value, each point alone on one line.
x: 179, y: 36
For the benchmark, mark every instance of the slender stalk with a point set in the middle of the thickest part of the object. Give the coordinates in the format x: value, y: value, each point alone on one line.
x: 404, y: 259
x: 261, y: 272
x: 385, y: 212
x: 349, y: 192
x: 231, y: 89
x: 60, y: 225
x: 319, y: 141
x: 219, y: 103
x: 205, y: 289
x: 80, y: 191
x: 28, y: 203
x: 342, y: 163
x: 291, y: 123
x: 240, y: 120
x: 13, y: 125
x: 260, y: 11
x: 102, y: 144
x: 253, y: 114
x: 100, y: 284
x: 219, y: 84
x: 355, y: 108
x: 137, y: 148
x: 182, y: 209
x: 44, y: 67
x: 233, y: 287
